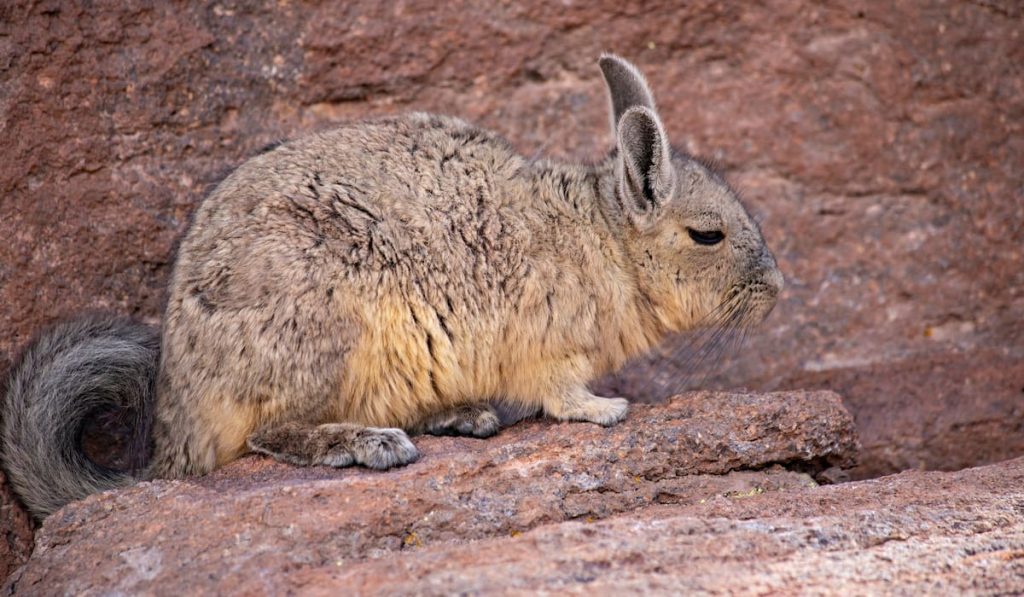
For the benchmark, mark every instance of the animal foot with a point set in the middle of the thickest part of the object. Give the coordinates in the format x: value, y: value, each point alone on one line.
x: 473, y: 420
x: 334, y: 444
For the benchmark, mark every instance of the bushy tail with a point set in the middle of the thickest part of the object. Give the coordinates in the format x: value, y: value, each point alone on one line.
x: 77, y: 369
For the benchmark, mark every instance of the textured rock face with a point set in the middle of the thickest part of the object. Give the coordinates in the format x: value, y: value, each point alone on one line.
x: 880, y: 148
x: 915, y: 533
x: 259, y: 526
x: 15, y: 529
x: 559, y: 507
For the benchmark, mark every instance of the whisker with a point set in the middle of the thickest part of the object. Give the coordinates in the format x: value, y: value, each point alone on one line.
x: 714, y: 351
x: 692, y: 355
x: 722, y: 333
x: 700, y: 336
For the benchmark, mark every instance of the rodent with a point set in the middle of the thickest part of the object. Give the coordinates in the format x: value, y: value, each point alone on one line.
x: 391, y: 276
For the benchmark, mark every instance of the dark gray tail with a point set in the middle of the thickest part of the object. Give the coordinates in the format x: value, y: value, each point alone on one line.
x: 71, y: 374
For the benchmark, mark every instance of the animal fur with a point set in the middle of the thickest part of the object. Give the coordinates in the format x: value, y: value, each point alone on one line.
x: 399, y: 274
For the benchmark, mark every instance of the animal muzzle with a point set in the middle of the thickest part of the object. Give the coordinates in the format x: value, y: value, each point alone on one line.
x: 761, y: 293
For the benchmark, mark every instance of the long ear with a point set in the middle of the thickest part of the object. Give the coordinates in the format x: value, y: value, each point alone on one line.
x: 646, y: 179
x: 626, y: 87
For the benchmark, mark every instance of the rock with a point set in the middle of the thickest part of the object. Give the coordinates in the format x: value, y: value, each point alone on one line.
x: 946, y: 411
x: 254, y: 525
x: 881, y: 148
x: 936, y: 410
x: 909, y: 534
x: 16, y: 530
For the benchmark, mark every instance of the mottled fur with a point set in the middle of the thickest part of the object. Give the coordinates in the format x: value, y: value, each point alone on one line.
x: 398, y: 274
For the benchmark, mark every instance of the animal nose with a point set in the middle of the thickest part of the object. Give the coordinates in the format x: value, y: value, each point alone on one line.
x: 773, y: 277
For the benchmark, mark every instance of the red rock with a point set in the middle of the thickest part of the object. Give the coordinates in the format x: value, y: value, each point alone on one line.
x: 16, y: 530
x: 881, y: 148
x: 254, y: 525
x: 913, y: 533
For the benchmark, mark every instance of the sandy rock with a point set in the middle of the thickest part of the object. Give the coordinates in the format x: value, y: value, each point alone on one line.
x: 254, y: 525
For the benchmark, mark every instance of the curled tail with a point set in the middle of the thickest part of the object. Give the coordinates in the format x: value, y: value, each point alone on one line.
x: 70, y: 374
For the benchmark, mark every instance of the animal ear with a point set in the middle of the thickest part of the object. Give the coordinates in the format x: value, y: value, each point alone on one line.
x: 626, y: 87
x: 646, y: 177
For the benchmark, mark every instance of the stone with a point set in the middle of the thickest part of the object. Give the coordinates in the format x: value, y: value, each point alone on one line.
x: 16, y: 530
x: 881, y: 149
x: 909, y: 534
x: 255, y: 524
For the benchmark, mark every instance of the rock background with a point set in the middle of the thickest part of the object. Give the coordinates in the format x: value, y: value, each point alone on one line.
x: 880, y: 147
x: 15, y: 529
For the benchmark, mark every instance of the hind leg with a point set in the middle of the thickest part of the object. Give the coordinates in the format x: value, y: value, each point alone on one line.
x: 474, y: 420
x: 334, y: 444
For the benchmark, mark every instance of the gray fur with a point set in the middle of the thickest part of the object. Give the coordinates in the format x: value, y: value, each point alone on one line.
x: 648, y: 179
x: 399, y: 274
x: 473, y: 420
x: 70, y: 372
x: 627, y: 88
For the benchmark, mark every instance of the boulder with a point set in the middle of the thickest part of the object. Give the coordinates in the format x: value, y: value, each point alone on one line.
x: 916, y: 533
x: 15, y: 529
x: 880, y: 147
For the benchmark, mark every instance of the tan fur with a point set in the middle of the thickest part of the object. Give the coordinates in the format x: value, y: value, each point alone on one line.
x: 385, y: 272
x: 391, y: 276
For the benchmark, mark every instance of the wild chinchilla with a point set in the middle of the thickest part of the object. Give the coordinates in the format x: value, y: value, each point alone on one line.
x: 396, y: 275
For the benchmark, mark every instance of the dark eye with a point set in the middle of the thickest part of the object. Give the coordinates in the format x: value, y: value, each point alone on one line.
x: 706, y: 237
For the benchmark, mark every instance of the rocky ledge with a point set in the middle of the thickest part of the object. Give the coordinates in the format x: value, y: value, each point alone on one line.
x: 260, y: 526
x: 709, y: 492
x: 916, y: 533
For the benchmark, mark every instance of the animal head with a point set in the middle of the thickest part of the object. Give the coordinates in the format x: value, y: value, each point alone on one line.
x: 701, y: 258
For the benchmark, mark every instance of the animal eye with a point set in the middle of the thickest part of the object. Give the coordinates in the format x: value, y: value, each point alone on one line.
x: 706, y: 237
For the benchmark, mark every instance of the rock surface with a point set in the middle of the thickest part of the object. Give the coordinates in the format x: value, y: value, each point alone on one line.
x: 881, y: 148
x: 917, y: 533
x: 255, y: 525
x: 624, y: 510
x: 15, y: 531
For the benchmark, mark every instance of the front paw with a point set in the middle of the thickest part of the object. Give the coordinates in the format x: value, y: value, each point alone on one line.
x: 606, y: 411
x: 584, y: 406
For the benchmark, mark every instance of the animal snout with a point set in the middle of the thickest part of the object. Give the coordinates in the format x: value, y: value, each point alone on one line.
x: 769, y: 278
x: 773, y: 279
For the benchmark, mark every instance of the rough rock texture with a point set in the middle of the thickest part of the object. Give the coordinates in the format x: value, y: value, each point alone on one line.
x: 881, y: 147
x: 15, y: 531
x: 558, y: 507
x: 910, y: 534
x: 253, y: 524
